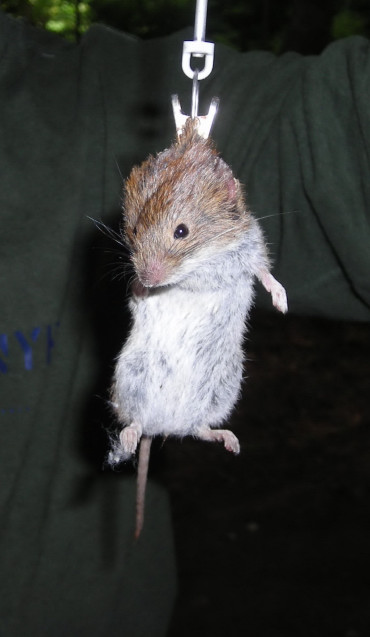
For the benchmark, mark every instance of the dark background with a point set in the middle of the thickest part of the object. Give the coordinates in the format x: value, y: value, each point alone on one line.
x: 275, y: 542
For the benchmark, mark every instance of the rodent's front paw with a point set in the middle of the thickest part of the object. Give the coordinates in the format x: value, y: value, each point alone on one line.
x: 139, y: 290
x: 279, y: 298
x: 278, y: 294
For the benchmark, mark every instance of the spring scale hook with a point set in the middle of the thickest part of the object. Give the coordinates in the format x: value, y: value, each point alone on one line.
x: 197, y: 48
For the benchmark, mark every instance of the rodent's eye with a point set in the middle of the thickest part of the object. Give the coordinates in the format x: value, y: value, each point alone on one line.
x: 181, y: 231
x: 134, y: 231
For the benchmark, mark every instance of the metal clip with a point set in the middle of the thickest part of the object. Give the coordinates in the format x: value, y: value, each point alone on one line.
x: 200, y: 49
x: 204, y: 122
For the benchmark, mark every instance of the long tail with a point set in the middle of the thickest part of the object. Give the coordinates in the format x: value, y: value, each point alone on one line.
x: 142, y: 475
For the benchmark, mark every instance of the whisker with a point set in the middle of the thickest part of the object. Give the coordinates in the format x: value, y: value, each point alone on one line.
x: 119, y: 170
x: 115, y: 272
x: 209, y: 239
x: 129, y: 283
x: 109, y: 232
x: 278, y: 214
x: 221, y: 234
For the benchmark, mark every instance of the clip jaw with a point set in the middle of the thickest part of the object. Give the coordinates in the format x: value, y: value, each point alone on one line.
x: 204, y: 122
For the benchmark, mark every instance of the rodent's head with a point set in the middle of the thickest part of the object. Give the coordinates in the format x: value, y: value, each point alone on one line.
x: 181, y: 207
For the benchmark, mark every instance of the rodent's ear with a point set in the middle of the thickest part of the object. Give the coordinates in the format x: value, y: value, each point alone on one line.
x: 236, y: 198
x: 232, y: 187
x: 224, y: 174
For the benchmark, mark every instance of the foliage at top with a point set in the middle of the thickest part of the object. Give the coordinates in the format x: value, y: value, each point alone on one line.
x: 306, y: 26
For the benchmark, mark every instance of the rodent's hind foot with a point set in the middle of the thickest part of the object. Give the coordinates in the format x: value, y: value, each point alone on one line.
x: 231, y: 443
x: 130, y: 437
x: 124, y: 445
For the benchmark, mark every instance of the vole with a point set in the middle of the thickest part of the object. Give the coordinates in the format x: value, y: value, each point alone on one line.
x: 196, y: 250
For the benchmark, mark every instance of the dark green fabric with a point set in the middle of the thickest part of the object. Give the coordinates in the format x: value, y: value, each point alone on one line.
x: 295, y: 131
x: 69, y: 565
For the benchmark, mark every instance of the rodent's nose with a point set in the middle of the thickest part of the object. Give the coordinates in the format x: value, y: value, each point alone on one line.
x: 152, y: 274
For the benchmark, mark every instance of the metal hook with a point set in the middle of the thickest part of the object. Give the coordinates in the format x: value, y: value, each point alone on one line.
x: 198, y: 47
x: 195, y: 95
